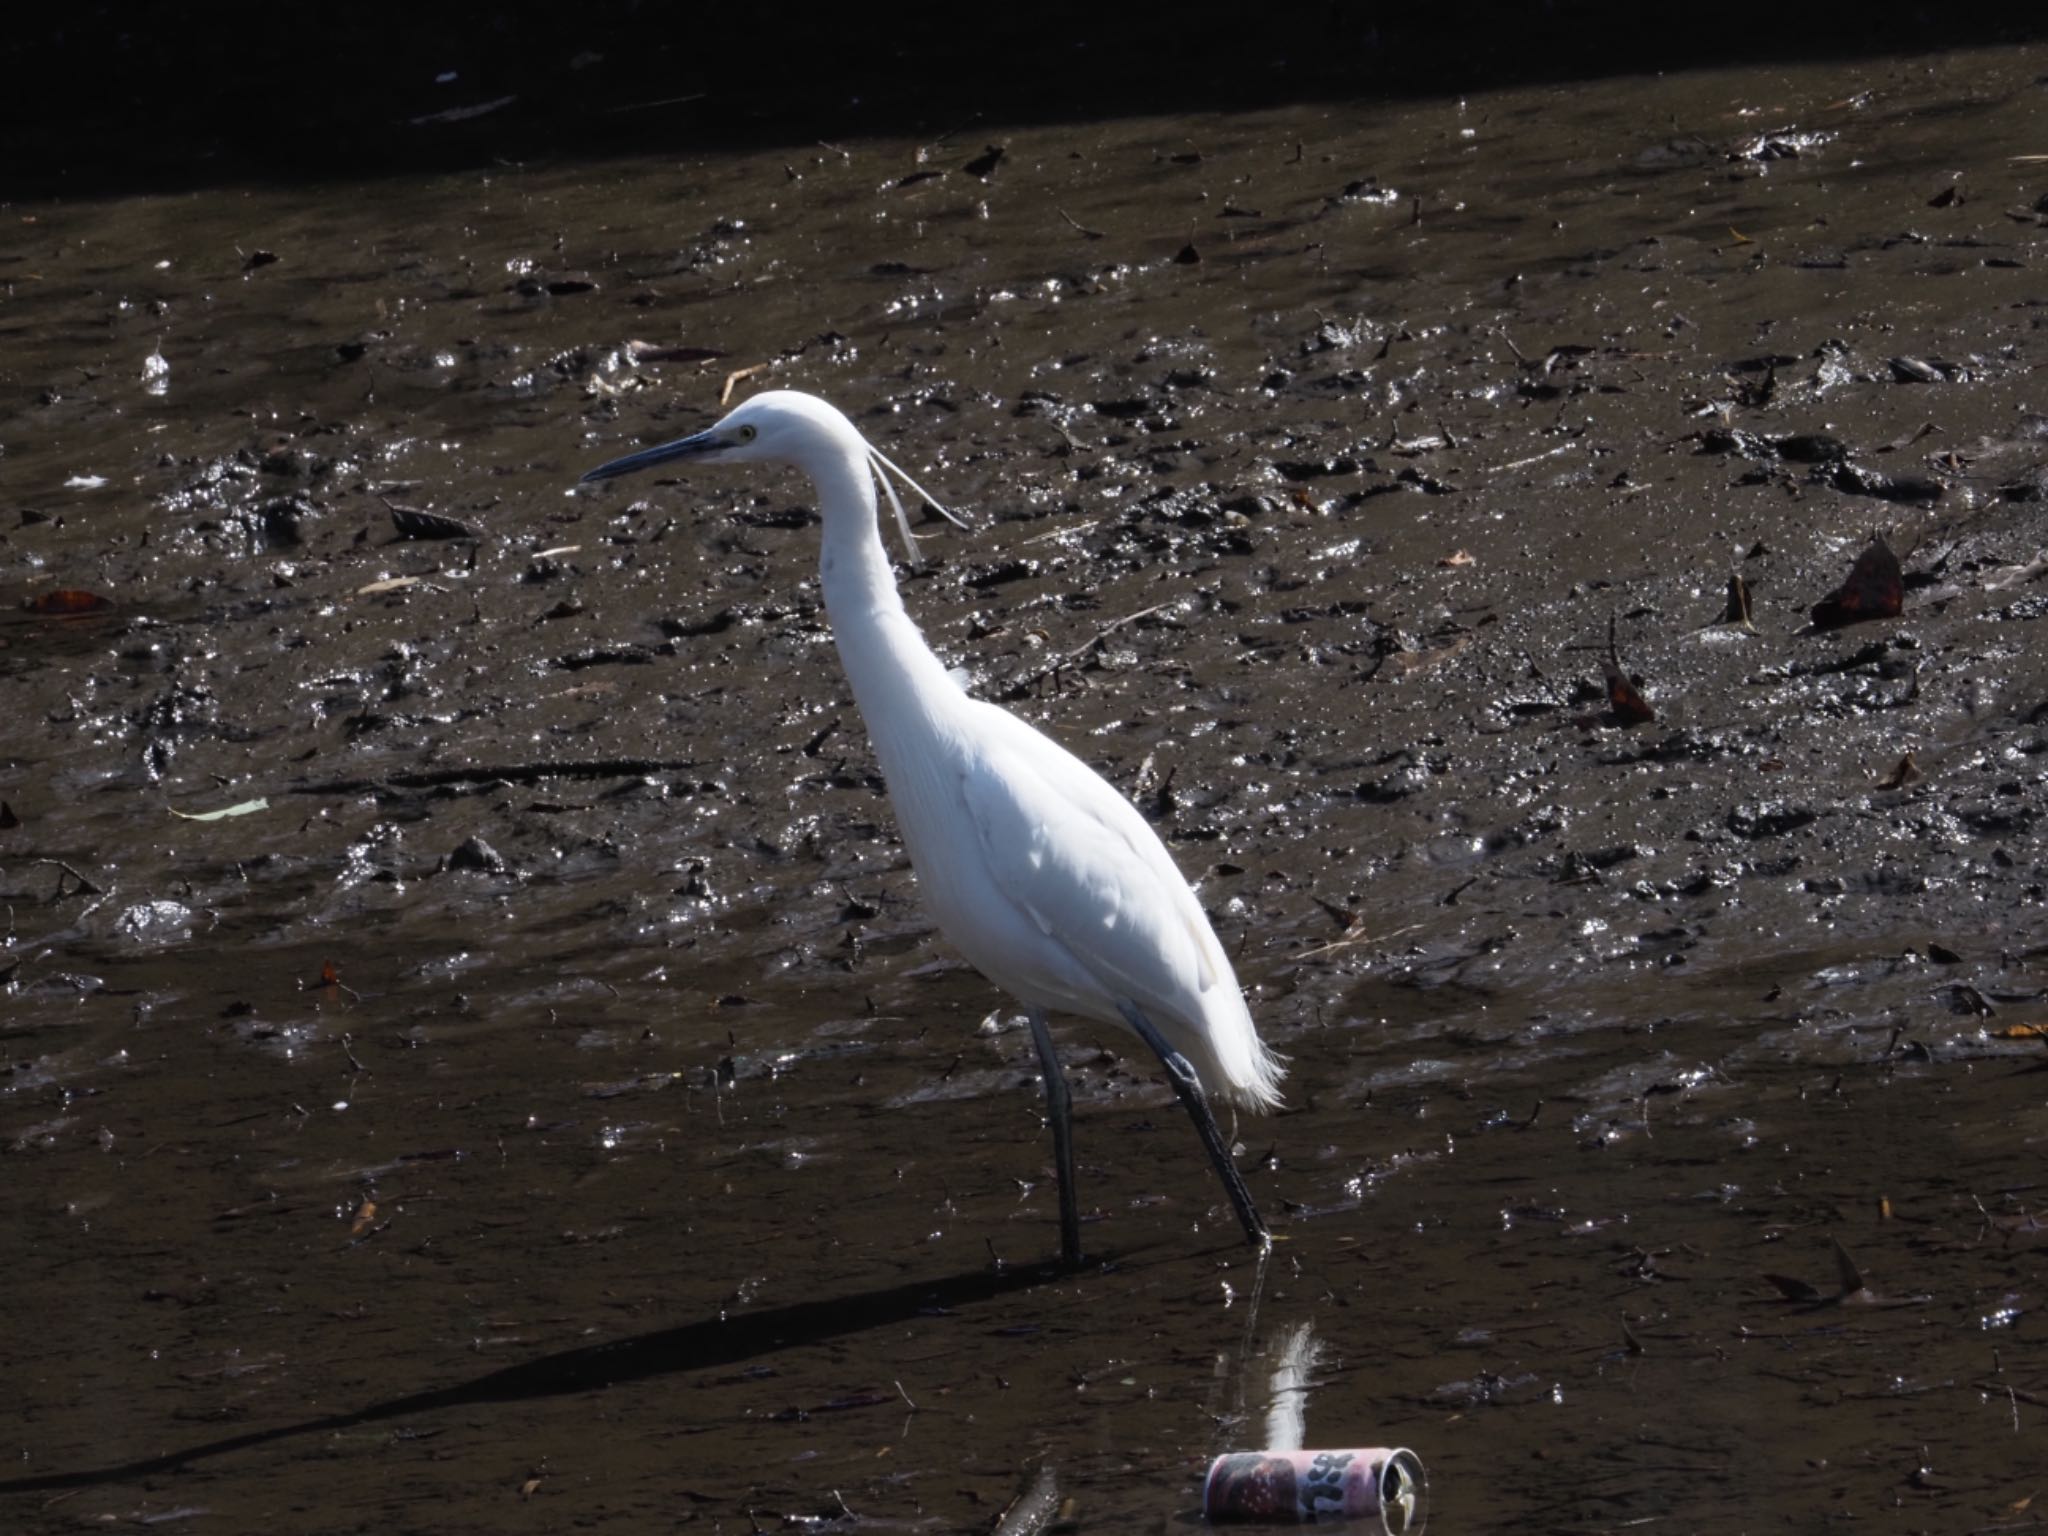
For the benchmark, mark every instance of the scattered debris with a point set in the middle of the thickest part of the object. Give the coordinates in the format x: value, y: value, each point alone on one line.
x: 1876, y: 589
x: 243, y: 808
x: 412, y: 523
x: 1626, y: 705
x: 68, y: 602
x: 1738, y: 614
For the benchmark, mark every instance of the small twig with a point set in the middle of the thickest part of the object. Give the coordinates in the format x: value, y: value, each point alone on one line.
x: 1534, y: 458
x: 952, y: 133
x: 85, y: 886
x: 1067, y: 658
x: 1092, y: 234
x: 2021, y: 1394
x: 1060, y: 533
x: 1350, y: 939
x: 666, y: 101
x: 1544, y: 678
x: 725, y: 394
x: 514, y: 773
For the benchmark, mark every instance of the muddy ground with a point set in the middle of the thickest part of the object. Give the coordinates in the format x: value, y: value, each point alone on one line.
x: 551, y: 1109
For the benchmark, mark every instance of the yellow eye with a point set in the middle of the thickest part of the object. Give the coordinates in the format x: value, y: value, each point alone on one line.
x: 748, y: 434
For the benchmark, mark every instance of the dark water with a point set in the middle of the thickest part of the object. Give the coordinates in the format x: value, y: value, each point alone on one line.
x: 553, y: 1111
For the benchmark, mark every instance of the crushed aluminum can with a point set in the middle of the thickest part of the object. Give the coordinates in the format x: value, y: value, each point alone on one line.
x: 1277, y: 1487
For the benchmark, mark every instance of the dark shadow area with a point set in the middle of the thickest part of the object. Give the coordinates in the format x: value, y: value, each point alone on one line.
x: 107, y: 99
x: 709, y: 1343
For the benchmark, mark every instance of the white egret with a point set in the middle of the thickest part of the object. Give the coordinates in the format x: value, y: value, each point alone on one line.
x: 1047, y: 879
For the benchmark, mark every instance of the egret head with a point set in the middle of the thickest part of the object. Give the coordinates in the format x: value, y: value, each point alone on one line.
x: 782, y: 426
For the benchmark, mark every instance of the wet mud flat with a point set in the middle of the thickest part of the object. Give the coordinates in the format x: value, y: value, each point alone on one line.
x: 551, y: 1109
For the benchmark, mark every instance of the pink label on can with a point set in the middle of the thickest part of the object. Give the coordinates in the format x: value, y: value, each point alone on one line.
x: 1293, y: 1485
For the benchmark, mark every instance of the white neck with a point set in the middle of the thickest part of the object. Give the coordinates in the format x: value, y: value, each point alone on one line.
x: 900, y: 686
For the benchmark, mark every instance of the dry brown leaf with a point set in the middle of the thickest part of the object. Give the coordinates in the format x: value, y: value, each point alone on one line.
x: 1628, y: 704
x: 1738, y: 612
x: 1876, y: 589
x: 68, y: 602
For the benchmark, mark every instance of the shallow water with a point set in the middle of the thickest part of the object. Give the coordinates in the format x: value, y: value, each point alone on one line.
x: 553, y: 1109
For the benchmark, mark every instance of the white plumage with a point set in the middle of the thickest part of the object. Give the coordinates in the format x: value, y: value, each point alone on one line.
x: 1047, y: 879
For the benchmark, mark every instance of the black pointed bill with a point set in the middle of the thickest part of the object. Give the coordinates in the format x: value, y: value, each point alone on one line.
x: 647, y: 458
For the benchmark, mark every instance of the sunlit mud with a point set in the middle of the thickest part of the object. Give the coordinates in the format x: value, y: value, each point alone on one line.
x: 536, y: 1098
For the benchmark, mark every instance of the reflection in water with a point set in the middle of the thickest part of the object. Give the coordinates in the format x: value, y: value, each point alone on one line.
x: 1276, y: 1373
x: 1292, y: 1360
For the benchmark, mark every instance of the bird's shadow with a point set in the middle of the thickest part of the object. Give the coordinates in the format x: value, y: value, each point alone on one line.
x: 709, y: 1342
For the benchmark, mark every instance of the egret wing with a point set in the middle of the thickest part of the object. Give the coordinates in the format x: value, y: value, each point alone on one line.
x: 1079, y: 859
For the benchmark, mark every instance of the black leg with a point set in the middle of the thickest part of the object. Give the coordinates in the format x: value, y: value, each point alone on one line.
x: 1189, y: 1087
x: 1059, y: 1110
